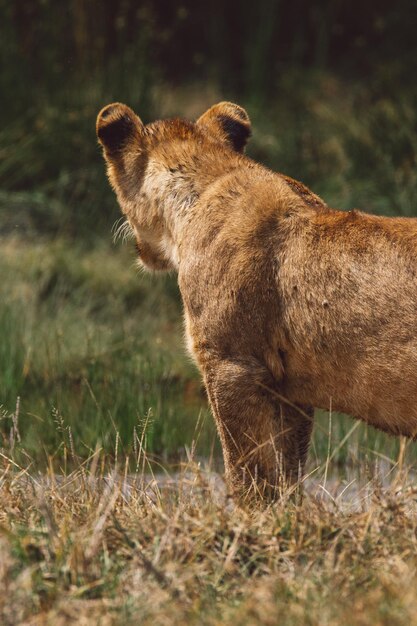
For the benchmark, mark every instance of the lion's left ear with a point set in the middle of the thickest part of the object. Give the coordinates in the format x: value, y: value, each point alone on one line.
x: 229, y: 123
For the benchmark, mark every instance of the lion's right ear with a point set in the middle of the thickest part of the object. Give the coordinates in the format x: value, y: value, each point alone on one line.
x: 228, y: 123
x: 117, y: 126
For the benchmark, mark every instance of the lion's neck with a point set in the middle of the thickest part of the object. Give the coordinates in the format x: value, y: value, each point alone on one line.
x: 175, y: 193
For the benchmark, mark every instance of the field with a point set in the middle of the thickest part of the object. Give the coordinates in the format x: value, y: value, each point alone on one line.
x: 113, y: 506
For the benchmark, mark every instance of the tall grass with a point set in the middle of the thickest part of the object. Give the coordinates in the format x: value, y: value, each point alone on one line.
x: 95, y: 544
x: 84, y: 339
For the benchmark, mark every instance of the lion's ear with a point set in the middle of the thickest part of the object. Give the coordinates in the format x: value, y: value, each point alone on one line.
x: 117, y: 126
x: 229, y: 123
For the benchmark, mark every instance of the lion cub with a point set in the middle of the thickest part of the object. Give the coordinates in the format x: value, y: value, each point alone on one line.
x: 289, y: 304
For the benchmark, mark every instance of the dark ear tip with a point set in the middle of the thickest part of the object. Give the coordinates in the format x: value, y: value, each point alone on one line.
x: 238, y: 133
x: 233, y: 110
x: 230, y: 122
x: 115, y: 123
x: 111, y: 113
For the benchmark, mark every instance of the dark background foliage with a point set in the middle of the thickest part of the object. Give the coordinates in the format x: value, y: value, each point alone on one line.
x: 62, y: 61
x: 243, y: 46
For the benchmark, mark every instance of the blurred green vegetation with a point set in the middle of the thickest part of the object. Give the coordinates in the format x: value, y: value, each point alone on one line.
x: 89, y: 346
x: 93, y: 352
x: 332, y: 97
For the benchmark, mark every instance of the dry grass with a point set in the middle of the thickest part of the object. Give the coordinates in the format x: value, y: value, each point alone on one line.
x: 101, y: 546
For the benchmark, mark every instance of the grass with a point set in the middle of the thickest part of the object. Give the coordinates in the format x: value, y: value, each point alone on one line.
x: 98, y: 545
x: 85, y: 341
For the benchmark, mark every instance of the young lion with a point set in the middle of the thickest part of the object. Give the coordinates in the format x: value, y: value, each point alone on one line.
x: 289, y: 304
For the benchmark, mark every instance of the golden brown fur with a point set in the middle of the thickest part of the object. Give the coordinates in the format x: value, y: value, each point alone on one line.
x: 289, y: 305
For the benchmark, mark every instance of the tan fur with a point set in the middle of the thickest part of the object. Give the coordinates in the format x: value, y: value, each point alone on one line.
x: 289, y: 305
